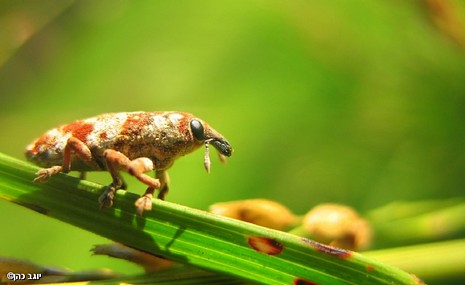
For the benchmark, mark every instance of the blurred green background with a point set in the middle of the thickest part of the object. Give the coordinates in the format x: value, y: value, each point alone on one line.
x: 356, y: 102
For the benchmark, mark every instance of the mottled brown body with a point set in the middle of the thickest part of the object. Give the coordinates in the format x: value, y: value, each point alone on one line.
x: 134, y: 142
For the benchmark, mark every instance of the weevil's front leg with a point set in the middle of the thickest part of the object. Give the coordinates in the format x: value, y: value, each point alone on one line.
x: 144, y: 203
x: 113, y: 159
x: 73, y: 146
x: 117, y: 161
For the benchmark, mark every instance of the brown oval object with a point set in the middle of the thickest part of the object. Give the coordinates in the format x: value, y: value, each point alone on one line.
x: 261, y: 212
x: 266, y: 245
x: 337, y: 225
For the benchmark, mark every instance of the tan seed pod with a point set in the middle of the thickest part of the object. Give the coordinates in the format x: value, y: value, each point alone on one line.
x: 261, y: 212
x: 337, y: 225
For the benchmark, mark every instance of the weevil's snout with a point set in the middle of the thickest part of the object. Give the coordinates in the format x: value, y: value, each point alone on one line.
x: 222, y: 146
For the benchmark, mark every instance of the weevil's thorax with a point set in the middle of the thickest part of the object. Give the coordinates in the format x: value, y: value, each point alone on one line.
x: 168, y: 137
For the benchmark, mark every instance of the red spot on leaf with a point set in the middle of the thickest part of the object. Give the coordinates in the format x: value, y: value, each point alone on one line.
x: 370, y: 267
x: 79, y: 130
x: 327, y: 249
x: 266, y: 245
x: 300, y: 281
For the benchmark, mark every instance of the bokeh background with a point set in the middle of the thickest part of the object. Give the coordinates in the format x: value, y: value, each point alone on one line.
x: 356, y: 102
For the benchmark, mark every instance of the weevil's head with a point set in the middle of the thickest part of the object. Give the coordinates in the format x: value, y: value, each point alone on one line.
x: 202, y: 132
x: 172, y: 135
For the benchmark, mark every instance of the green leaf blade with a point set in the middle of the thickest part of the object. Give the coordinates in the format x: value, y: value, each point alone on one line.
x: 193, y: 236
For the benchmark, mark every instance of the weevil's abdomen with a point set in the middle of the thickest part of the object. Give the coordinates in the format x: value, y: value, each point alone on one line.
x: 47, y: 150
x: 96, y: 133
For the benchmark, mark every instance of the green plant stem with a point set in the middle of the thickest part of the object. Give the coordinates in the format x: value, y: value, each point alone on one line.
x: 437, y: 223
x: 430, y: 261
x: 192, y: 236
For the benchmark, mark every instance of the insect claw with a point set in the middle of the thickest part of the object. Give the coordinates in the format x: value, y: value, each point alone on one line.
x: 144, y: 203
x: 40, y: 178
x: 44, y: 174
x: 106, y: 199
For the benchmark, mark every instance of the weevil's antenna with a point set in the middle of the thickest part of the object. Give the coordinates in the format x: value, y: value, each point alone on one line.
x: 206, y: 161
x: 222, y: 157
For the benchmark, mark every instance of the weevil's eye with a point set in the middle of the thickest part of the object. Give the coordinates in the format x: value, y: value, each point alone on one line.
x: 197, y: 130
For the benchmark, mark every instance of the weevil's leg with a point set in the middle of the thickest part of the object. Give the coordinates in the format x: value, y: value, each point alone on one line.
x: 114, y: 161
x: 73, y: 146
x: 117, y: 161
x: 144, y: 203
x: 163, y: 177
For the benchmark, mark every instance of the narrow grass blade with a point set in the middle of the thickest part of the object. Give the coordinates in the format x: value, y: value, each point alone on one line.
x: 192, y: 236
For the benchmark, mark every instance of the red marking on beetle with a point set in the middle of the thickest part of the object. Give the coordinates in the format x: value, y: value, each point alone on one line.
x: 79, y: 130
x: 300, y: 281
x: 184, y: 127
x: 133, y: 124
x: 43, y: 140
x: 103, y: 135
x: 266, y: 245
x: 370, y: 267
x: 327, y: 249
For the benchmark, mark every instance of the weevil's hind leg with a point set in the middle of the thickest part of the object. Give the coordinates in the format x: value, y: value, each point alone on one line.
x: 73, y: 146
x: 144, y: 203
x: 117, y: 161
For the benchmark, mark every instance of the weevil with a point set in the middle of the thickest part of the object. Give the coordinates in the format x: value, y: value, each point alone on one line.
x: 134, y: 142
